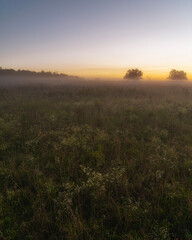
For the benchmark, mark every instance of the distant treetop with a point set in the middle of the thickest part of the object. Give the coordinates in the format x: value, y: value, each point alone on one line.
x: 177, y: 75
x: 134, y: 74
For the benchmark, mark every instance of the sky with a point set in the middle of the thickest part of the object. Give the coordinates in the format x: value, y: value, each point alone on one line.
x: 97, y: 38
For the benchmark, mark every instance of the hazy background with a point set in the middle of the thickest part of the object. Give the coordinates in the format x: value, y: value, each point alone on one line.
x: 99, y: 38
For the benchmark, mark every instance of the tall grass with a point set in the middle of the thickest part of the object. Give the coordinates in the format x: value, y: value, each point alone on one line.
x: 96, y: 162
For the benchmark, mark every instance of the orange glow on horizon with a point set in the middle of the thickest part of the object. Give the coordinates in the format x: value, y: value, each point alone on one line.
x: 113, y: 73
x: 118, y: 73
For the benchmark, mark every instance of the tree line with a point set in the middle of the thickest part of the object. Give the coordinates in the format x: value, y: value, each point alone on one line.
x: 136, y: 74
x: 12, y: 72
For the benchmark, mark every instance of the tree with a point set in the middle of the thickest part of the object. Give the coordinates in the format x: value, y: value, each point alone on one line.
x: 177, y: 75
x: 134, y: 74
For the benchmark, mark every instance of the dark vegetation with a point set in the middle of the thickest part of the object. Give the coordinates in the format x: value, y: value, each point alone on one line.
x: 177, y: 75
x: 12, y: 72
x: 136, y: 74
x: 25, y: 77
x: 96, y: 162
x: 133, y: 74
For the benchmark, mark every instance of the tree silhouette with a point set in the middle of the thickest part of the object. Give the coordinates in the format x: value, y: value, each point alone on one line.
x: 177, y: 75
x: 134, y: 74
x: 12, y: 72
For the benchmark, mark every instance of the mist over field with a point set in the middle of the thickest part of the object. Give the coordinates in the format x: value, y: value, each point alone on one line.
x: 59, y: 81
x: 23, y: 80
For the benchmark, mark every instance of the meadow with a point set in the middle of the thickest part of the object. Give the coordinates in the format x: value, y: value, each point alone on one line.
x: 96, y: 162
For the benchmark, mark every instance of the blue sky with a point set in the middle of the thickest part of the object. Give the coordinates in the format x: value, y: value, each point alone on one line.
x: 96, y: 38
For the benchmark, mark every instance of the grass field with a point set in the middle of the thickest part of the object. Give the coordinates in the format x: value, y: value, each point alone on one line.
x: 96, y: 162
